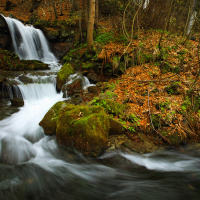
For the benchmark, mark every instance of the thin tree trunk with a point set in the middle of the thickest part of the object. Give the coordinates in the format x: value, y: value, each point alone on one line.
x: 60, y: 1
x: 188, y: 18
x: 166, y: 24
x: 54, y: 8
x: 90, y: 28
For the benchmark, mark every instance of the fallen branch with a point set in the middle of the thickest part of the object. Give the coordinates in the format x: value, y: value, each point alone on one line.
x: 160, y: 80
x: 153, y: 125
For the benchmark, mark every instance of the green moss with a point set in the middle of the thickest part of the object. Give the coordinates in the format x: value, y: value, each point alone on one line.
x: 49, y: 121
x: 9, y: 61
x: 65, y: 71
x: 175, y: 138
x: 110, y: 106
x: 84, y: 128
x: 87, y: 65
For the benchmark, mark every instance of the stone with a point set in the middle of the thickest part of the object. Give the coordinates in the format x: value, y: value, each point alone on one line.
x: 75, y: 86
x: 93, y: 89
x: 65, y: 71
x: 92, y: 76
x: 49, y: 121
x: 84, y: 128
x: 116, y: 127
x: 17, y: 102
x: 23, y: 78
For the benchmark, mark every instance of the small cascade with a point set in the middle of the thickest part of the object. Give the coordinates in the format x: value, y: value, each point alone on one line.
x: 10, y: 91
x: 29, y: 43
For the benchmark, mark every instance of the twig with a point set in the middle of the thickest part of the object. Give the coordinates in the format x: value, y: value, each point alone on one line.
x: 153, y: 125
x: 159, y: 80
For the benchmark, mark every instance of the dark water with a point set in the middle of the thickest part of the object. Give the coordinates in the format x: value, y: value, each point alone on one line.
x: 165, y: 175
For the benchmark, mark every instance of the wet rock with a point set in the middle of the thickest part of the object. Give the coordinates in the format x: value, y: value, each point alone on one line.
x: 9, y: 89
x: 75, y: 86
x: 65, y: 71
x: 25, y: 79
x: 93, y: 89
x: 17, y: 102
x: 76, y: 100
x: 49, y: 121
x: 116, y: 127
x: 6, y: 109
x: 92, y: 76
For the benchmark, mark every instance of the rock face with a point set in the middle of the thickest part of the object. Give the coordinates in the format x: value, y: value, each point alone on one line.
x: 17, y: 102
x: 65, y: 71
x: 116, y: 127
x: 84, y: 128
x: 5, y: 38
x: 49, y: 122
x: 74, y: 87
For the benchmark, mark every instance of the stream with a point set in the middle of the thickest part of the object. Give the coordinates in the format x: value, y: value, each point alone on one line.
x: 34, y: 167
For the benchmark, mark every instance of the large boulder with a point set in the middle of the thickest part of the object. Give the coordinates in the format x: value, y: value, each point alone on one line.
x: 84, y: 128
x: 65, y: 71
x: 49, y: 122
x: 9, y: 61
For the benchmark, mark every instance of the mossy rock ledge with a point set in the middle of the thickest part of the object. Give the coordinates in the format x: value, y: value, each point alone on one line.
x: 65, y: 71
x: 84, y: 128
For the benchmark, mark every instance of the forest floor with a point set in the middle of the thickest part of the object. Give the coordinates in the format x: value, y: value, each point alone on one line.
x: 160, y: 86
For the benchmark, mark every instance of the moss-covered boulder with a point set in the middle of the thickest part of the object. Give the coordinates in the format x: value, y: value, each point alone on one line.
x: 75, y: 86
x: 49, y: 122
x: 110, y: 106
x: 116, y: 127
x: 174, y: 137
x: 84, y: 128
x: 9, y: 61
x: 65, y: 71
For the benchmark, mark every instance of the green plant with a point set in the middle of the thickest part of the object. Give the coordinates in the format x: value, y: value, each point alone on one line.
x: 103, y: 38
x: 134, y: 119
x: 131, y: 129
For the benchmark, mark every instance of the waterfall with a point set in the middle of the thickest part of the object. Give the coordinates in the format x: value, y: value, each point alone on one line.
x: 29, y: 43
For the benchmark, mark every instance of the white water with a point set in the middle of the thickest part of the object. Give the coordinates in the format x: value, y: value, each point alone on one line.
x: 29, y: 43
x: 22, y: 130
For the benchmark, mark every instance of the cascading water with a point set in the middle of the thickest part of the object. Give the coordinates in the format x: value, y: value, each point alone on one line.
x: 29, y: 43
x: 34, y: 167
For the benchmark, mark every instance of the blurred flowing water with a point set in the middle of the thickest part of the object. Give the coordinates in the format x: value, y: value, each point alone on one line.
x: 34, y: 167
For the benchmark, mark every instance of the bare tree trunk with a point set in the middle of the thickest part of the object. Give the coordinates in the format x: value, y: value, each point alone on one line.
x: 166, y: 24
x: 90, y: 28
x: 188, y: 18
